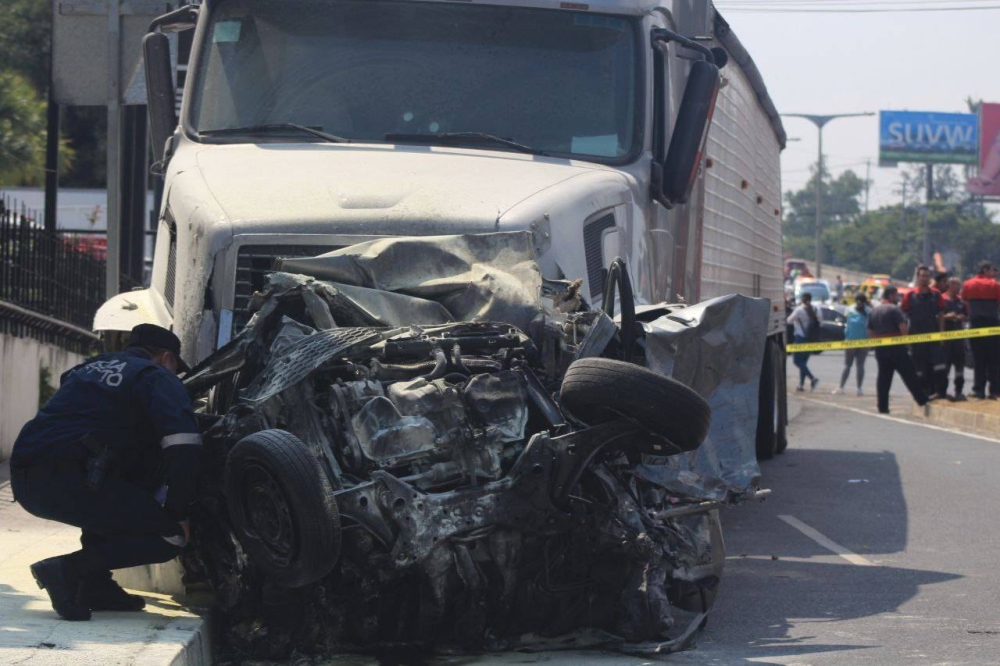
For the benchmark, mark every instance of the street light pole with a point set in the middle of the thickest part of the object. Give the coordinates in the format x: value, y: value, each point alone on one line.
x: 819, y: 122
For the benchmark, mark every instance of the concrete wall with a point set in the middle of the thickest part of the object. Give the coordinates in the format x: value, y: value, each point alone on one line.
x: 20, y: 361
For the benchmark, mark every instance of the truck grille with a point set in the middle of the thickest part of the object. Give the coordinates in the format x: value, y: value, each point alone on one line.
x: 169, y: 289
x: 593, y: 244
x: 254, y: 262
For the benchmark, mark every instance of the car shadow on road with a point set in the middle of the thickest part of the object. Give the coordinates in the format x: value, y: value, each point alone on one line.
x: 802, y: 593
x: 853, y: 497
x: 778, y: 579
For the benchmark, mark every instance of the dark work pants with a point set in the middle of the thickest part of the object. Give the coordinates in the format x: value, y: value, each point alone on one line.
x: 985, y: 358
x: 123, y: 525
x: 928, y: 363
x: 954, y: 357
x: 801, y: 361
x: 891, y: 360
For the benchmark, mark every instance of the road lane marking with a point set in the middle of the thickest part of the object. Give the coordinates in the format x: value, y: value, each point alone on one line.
x: 827, y: 543
x: 900, y: 420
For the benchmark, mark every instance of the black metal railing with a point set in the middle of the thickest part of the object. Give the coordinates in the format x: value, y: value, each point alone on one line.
x: 57, y: 276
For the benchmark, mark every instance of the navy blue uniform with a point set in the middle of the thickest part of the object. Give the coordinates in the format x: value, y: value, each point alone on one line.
x: 141, y: 411
x: 954, y: 350
x: 923, y: 309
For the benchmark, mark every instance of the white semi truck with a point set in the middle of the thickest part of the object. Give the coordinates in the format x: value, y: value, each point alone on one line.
x: 308, y: 125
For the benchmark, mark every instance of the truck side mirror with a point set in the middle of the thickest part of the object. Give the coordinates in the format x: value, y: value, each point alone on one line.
x: 160, y: 98
x: 674, y: 178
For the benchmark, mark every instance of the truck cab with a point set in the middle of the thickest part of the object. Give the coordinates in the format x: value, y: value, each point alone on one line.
x: 309, y: 125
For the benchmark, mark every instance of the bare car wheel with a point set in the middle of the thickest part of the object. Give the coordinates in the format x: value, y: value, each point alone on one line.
x: 282, y: 508
x: 598, y: 390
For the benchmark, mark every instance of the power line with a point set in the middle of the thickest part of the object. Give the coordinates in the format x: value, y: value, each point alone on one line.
x: 837, y: 3
x: 831, y: 9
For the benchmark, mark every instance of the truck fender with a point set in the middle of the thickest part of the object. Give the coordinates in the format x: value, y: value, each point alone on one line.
x: 124, y: 311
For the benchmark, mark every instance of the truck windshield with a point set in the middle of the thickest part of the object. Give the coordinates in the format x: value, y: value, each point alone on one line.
x: 558, y: 81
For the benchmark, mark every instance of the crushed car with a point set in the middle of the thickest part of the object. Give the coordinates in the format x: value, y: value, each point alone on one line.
x: 419, y: 444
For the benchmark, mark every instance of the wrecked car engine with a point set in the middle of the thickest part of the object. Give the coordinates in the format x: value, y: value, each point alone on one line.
x: 460, y: 485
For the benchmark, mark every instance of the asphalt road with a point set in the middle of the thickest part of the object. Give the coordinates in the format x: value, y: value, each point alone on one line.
x: 828, y: 366
x: 911, y: 511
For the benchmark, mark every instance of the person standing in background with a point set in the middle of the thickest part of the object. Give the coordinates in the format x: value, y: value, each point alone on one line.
x: 838, y: 290
x: 887, y: 320
x: 982, y: 296
x: 856, y: 329
x: 923, y: 306
x: 955, y: 314
x: 805, y: 327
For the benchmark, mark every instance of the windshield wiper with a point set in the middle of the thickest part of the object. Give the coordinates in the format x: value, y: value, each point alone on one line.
x: 458, y: 138
x: 271, y: 127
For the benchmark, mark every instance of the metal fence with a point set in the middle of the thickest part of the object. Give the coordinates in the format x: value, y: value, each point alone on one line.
x: 51, y: 275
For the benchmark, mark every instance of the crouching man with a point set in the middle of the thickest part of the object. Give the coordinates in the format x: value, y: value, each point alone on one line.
x: 115, y: 452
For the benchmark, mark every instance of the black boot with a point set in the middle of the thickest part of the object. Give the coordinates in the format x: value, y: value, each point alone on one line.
x: 99, y: 592
x: 57, y: 576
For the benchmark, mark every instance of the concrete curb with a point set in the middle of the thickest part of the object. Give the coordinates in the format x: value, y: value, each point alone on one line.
x: 980, y: 423
x: 165, y: 634
x: 183, y: 642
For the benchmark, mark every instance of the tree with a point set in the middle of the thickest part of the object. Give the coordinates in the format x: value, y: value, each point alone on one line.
x: 25, y: 49
x: 947, y: 186
x: 889, y: 242
x: 22, y: 130
x: 841, y: 204
x: 25, y: 34
x: 22, y: 133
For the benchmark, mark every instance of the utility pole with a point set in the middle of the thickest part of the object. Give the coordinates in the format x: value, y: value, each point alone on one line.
x: 819, y: 122
x: 113, y: 265
x: 868, y: 182
x: 902, y: 234
x: 925, y: 255
x: 926, y: 250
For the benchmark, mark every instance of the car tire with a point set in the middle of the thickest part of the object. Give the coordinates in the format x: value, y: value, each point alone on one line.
x: 598, y: 390
x: 282, y: 508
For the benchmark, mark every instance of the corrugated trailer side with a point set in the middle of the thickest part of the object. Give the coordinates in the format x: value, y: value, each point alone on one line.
x: 741, y: 247
x: 741, y: 225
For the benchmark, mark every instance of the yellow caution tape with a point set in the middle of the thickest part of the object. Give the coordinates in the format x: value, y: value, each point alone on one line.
x: 895, y: 340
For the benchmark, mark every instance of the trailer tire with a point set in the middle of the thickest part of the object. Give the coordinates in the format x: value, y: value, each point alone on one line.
x: 771, y: 413
x: 598, y: 390
x: 282, y: 508
x: 781, y: 395
x: 766, y: 416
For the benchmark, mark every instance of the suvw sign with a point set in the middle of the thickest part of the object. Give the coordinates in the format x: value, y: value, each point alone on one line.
x: 917, y: 136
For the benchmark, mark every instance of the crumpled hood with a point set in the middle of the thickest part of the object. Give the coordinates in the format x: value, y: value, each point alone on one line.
x: 384, y: 188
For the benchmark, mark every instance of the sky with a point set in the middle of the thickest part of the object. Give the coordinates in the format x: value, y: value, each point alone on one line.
x: 827, y: 63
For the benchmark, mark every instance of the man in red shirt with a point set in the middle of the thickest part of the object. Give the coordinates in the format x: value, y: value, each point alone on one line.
x: 982, y: 295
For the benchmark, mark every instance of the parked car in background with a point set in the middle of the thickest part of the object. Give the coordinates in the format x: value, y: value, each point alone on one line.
x: 792, y: 265
x: 832, y: 324
x: 819, y: 289
x: 873, y: 284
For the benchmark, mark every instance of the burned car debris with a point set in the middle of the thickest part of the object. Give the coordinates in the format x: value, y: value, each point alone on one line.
x: 461, y: 456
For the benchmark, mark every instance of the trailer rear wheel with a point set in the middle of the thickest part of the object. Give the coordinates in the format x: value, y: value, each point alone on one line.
x: 781, y: 395
x: 772, y: 410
